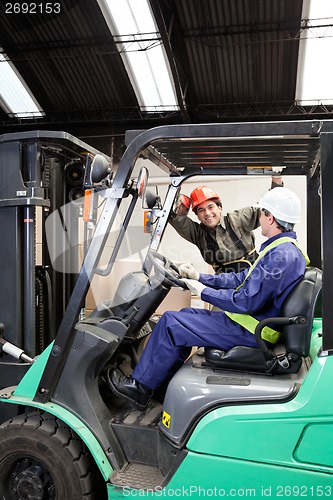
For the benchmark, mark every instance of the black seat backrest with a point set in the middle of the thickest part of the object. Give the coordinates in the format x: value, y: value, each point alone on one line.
x: 301, y: 302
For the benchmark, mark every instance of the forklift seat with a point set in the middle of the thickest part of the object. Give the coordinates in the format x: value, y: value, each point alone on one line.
x: 296, y: 322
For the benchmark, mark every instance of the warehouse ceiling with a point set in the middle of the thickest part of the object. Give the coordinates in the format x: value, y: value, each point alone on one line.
x: 230, y: 60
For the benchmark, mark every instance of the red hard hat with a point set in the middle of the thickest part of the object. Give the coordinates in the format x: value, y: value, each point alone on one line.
x: 201, y: 194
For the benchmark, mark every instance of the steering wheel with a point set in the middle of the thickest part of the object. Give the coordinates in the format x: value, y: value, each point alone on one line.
x: 167, y: 269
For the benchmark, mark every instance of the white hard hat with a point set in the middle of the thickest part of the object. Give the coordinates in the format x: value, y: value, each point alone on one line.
x: 283, y: 204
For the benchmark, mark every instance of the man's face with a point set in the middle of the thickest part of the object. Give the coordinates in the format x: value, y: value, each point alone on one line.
x: 265, y: 222
x: 209, y: 213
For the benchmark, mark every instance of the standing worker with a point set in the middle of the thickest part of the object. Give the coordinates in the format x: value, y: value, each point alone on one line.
x: 245, y: 298
x: 227, y: 242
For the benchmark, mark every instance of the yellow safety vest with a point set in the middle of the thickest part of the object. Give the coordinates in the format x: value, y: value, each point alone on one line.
x: 249, y: 322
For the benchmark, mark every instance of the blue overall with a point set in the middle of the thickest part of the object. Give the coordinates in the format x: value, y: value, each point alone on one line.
x: 262, y: 295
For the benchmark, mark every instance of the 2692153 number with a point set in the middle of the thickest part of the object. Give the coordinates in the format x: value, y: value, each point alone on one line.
x: 32, y: 8
x: 304, y: 491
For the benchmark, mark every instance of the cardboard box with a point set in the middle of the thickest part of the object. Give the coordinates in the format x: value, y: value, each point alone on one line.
x: 176, y: 299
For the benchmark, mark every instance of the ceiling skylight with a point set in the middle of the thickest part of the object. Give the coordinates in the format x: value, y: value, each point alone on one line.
x: 15, y: 97
x: 315, y: 71
x: 134, y: 30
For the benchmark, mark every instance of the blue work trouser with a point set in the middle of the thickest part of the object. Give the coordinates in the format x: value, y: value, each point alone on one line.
x: 176, y: 332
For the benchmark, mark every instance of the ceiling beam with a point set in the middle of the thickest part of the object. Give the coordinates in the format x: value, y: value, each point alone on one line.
x: 129, y: 117
x: 165, y: 29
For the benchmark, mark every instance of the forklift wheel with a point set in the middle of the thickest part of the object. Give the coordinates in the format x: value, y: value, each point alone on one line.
x: 41, y: 458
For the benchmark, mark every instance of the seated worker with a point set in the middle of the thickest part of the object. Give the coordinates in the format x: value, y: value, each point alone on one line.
x: 225, y: 242
x: 257, y: 292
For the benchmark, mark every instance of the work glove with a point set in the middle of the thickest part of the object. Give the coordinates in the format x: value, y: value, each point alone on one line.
x: 195, y: 286
x: 188, y: 271
x: 182, y: 205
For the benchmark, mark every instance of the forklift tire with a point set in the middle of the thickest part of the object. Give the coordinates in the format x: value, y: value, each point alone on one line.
x: 42, y: 458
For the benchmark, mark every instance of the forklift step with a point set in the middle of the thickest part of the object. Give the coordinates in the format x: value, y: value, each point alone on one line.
x: 138, y: 476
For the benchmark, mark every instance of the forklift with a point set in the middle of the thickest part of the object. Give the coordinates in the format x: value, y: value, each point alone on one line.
x: 246, y: 422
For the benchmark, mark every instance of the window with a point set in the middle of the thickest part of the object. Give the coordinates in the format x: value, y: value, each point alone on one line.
x: 139, y: 43
x: 315, y: 70
x: 15, y: 97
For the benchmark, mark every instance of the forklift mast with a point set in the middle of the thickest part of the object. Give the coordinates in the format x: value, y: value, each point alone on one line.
x: 40, y: 172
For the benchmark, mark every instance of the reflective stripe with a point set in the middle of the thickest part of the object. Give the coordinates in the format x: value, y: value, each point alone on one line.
x: 249, y: 322
x: 279, y: 241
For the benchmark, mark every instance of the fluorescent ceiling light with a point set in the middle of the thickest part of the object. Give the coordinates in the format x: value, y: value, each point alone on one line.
x: 133, y: 28
x: 15, y: 96
x: 315, y: 71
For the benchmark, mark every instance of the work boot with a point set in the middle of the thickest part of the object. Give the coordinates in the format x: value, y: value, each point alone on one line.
x: 128, y: 388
